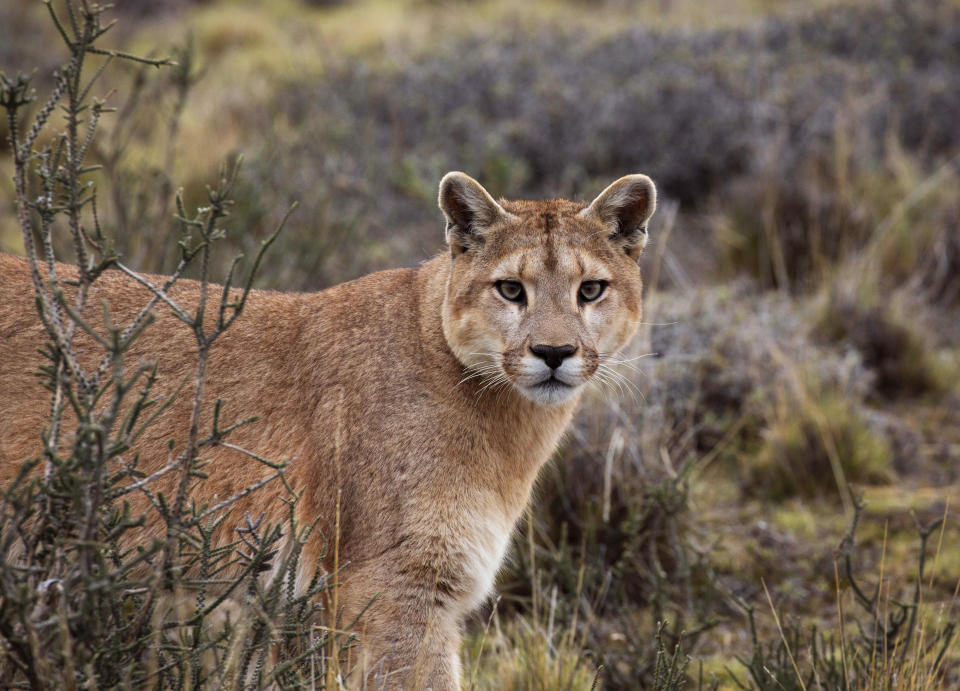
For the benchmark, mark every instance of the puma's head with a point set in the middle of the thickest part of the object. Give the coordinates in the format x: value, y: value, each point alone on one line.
x: 542, y: 293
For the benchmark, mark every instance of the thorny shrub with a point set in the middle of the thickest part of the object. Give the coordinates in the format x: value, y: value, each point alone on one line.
x: 84, y: 601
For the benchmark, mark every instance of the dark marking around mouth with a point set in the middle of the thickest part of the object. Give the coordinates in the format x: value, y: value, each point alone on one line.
x: 552, y: 382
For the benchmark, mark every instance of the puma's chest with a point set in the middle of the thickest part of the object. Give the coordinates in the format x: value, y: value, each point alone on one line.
x: 473, y: 537
x: 484, y: 547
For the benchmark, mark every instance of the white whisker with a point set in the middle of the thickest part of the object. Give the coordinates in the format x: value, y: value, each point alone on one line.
x: 628, y: 366
x: 503, y: 387
x: 614, y: 358
x: 630, y: 384
x: 478, y: 371
x: 607, y: 373
x: 499, y: 377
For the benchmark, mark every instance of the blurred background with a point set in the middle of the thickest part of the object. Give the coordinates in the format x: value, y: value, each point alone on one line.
x: 801, y: 353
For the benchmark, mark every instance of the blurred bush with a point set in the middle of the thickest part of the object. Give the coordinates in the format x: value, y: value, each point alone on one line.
x: 789, y: 143
x: 900, y: 350
x: 776, y: 133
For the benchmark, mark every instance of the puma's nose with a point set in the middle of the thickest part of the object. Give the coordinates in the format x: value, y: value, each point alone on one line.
x: 553, y: 355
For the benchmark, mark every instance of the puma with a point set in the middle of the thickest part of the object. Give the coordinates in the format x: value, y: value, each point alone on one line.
x: 419, y: 404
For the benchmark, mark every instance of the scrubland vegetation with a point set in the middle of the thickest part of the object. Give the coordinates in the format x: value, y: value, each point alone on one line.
x: 767, y: 497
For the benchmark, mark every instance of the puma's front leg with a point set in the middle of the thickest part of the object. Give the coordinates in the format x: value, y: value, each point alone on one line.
x: 408, y: 639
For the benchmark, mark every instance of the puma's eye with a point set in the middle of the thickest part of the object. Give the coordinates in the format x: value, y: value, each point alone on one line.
x: 511, y: 290
x: 591, y: 290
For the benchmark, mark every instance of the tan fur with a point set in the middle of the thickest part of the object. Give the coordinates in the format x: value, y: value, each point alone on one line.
x: 367, y: 386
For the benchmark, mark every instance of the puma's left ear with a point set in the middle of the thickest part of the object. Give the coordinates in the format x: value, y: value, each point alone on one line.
x: 624, y: 209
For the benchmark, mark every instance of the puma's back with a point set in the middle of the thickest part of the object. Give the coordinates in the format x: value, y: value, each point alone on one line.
x: 296, y: 361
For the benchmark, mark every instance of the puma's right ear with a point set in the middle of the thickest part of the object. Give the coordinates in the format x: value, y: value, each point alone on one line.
x: 469, y: 209
x: 624, y: 208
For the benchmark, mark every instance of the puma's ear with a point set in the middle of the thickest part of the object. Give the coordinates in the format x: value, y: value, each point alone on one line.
x: 470, y: 210
x: 624, y: 208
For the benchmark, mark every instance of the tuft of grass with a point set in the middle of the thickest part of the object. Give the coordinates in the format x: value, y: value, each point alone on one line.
x: 520, y: 655
x: 897, y: 349
x: 816, y: 447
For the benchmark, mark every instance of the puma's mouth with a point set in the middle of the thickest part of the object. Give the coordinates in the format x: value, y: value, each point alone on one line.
x: 553, y: 381
x: 550, y: 391
x: 543, y: 384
